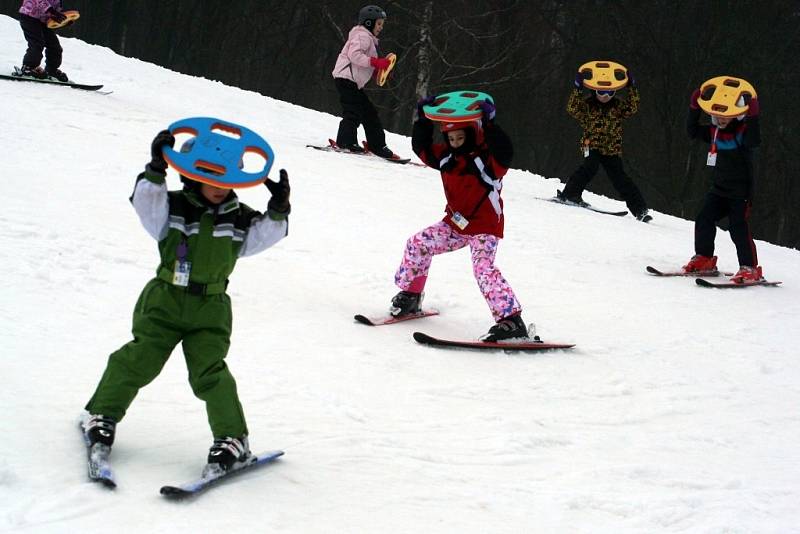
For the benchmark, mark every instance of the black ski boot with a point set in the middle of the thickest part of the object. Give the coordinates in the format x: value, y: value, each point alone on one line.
x: 354, y: 148
x: 99, y: 429
x: 57, y: 75
x: 226, y: 453
x: 384, y: 152
x: 572, y: 200
x: 406, y: 303
x: 644, y: 216
x: 509, y: 328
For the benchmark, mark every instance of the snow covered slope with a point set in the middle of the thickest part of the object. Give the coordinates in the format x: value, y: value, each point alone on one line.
x: 676, y: 412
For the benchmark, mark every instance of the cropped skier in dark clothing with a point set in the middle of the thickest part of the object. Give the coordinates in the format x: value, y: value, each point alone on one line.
x: 730, y: 158
x: 601, y: 117
x: 34, y: 15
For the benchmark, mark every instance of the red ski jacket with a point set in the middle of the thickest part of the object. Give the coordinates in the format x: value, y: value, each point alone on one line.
x: 472, y: 178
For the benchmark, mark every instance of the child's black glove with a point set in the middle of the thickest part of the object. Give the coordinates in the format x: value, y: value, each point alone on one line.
x: 162, y: 139
x: 578, y: 82
x: 56, y: 15
x: 278, y: 206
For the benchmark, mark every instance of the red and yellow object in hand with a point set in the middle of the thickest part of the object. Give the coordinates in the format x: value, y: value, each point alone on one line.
x: 71, y: 16
x: 383, y: 74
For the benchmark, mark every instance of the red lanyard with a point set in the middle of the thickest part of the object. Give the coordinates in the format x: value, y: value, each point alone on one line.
x: 714, y: 141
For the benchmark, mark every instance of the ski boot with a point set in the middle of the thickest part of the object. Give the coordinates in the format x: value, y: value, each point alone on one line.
x: 225, y: 454
x: 98, y: 429
x: 509, y: 328
x: 57, y: 75
x: 385, y: 153
x: 406, y: 303
x: 701, y: 263
x: 571, y: 200
x: 747, y: 274
x: 354, y: 148
x: 644, y: 216
x: 33, y: 72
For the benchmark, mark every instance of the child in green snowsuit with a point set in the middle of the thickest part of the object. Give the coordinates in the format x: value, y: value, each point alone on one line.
x: 201, y: 231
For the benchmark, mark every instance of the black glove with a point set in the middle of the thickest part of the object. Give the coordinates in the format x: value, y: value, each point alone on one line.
x: 278, y: 206
x: 56, y: 15
x: 164, y: 138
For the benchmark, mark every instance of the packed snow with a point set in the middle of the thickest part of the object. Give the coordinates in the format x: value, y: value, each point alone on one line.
x: 677, y: 411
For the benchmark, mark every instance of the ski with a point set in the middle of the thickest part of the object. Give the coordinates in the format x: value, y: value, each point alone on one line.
x: 590, y: 207
x: 656, y: 272
x: 526, y: 345
x: 399, y: 160
x: 194, y: 487
x: 98, y: 463
x: 333, y: 147
x: 729, y: 285
x: 390, y: 319
x: 17, y: 76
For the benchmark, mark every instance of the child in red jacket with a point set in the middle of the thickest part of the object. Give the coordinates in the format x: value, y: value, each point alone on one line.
x: 472, y: 162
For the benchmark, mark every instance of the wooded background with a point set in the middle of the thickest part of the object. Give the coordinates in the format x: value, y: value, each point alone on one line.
x: 524, y: 53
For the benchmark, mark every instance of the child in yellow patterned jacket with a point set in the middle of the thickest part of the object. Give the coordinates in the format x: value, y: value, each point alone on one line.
x: 601, y: 117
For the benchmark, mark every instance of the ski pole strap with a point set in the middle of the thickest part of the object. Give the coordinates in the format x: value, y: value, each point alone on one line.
x: 193, y: 288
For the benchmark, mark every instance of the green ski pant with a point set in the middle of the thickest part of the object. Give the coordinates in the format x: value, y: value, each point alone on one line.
x: 164, y: 316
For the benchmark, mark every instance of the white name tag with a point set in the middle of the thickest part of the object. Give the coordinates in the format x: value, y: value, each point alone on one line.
x: 586, y: 152
x: 459, y: 220
x: 711, y: 161
x: 180, y: 276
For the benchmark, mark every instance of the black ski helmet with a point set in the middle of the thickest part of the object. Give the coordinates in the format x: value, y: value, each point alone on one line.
x: 369, y: 14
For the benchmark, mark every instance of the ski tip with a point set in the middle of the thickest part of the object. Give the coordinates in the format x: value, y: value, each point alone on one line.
x: 420, y: 337
x: 271, y: 455
x: 653, y: 270
x: 173, y: 491
x: 107, y: 482
x: 363, y: 319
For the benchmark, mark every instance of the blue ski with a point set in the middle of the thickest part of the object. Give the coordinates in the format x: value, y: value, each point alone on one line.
x: 196, y: 486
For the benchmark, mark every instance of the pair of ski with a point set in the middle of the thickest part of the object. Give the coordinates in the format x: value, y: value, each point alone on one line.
x: 700, y: 281
x: 525, y: 345
x: 100, y: 470
x: 333, y: 147
x: 18, y: 76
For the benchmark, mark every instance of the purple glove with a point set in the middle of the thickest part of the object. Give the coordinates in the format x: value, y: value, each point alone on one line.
x: 693, y: 99
x: 631, y: 80
x: 427, y: 101
x: 753, y: 108
x: 489, y: 110
x: 578, y: 81
x: 56, y: 15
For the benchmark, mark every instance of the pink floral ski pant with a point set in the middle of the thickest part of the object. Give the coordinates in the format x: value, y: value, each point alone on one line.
x: 440, y: 238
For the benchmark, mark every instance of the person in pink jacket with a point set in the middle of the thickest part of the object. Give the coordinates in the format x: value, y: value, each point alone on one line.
x: 356, y: 64
x: 33, y: 18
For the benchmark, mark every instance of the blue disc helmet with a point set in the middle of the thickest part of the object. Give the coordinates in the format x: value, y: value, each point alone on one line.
x: 369, y: 14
